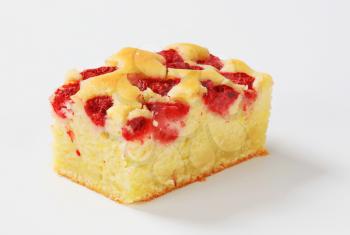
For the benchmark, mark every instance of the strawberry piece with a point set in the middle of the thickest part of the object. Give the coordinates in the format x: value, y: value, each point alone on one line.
x: 159, y: 86
x: 88, y: 73
x: 174, y: 60
x: 168, y: 117
x: 240, y: 78
x: 219, y: 98
x: 96, y: 109
x: 213, y: 61
x: 137, y: 128
x: 62, y: 98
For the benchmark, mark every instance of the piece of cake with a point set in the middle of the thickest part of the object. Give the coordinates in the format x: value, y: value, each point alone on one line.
x: 149, y: 122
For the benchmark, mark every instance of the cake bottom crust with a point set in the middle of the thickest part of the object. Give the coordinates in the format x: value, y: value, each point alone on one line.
x: 74, y: 178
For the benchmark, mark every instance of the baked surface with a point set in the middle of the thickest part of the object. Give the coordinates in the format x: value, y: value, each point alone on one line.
x: 147, y: 123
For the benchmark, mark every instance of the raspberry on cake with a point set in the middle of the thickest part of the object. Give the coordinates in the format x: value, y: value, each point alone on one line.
x: 146, y: 123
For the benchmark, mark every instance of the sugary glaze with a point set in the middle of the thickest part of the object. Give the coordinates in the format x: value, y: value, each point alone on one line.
x: 176, y: 75
x: 146, y: 123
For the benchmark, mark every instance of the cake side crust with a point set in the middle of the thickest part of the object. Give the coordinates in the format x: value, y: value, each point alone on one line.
x: 74, y: 178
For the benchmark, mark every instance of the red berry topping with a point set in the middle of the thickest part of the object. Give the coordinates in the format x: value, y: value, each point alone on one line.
x: 183, y: 65
x: 195, y: 67
x: 240, y: 78
x: 137, y: 128
x: 78, y: 153
x: 70, y: 133
x: 168, y: 117
x: 249, y: 98
x: 171, y: 56
x: 219, y: 98
x: 213, y: 61
x: 96, y: 109
x: 174, y: 60
x: 63, y: 94
x: 159, y: 86
x: 168, y: 111
x: 62, y: 98
x: 250, y: 94
x: 88, y: 73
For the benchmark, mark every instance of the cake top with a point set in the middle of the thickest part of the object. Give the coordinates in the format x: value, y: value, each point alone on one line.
x: 177, y: 76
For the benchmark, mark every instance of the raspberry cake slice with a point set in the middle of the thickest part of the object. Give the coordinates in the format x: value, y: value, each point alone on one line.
x: 146, y: 123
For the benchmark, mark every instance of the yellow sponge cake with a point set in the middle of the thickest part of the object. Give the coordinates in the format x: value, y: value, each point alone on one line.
x: 146, y: 123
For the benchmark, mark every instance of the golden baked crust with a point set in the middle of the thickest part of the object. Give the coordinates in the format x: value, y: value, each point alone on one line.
x: 260, y: 153
x: 152, y: 65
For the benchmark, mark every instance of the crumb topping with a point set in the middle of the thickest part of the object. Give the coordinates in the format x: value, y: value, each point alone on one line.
x: 175, y: 75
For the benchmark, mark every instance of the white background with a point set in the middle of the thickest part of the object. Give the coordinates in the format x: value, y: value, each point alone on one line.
x: 303, y: 187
